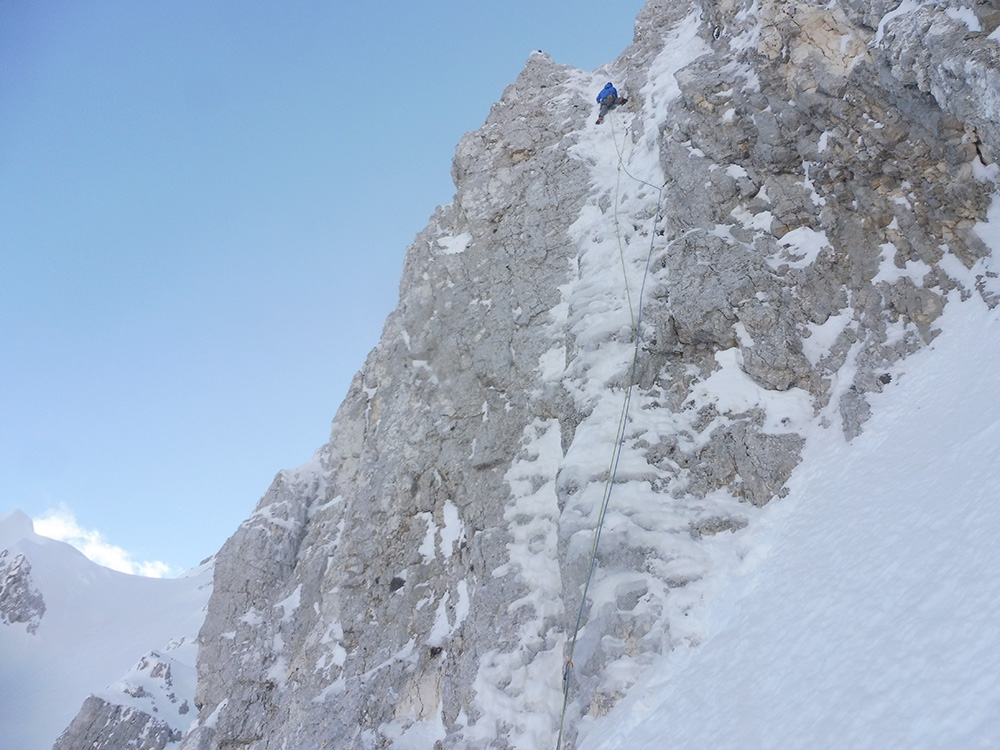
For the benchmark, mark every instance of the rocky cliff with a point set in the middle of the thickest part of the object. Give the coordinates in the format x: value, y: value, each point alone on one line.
x: 20, y: 599
x: 678, y: 297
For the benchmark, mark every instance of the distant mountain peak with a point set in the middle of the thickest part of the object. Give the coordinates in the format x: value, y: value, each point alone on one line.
x: 70, y: 628
x: 16, y: 525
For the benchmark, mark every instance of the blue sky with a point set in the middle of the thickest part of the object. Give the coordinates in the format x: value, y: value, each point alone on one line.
x: 204, y: 209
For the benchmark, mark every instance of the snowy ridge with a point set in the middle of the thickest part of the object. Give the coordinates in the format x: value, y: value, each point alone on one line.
x: 90, y: 640
x: 160, y: 684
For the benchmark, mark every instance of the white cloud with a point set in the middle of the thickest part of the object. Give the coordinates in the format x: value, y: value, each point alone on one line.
x: 60, y: 524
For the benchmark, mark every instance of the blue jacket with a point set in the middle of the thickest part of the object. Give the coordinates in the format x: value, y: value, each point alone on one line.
x: 607, y: 91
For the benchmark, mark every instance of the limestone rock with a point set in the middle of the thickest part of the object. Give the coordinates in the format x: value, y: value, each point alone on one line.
x: 104, y: 726
x: 147, y: 709
x: 20, y: 599
x: 949, y: 56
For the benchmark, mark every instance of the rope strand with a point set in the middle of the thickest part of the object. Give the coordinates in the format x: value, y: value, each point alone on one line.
x: 622, y: 421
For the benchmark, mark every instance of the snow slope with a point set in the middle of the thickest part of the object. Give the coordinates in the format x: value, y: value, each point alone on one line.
x: 874, y: 619
x: 98, y: 623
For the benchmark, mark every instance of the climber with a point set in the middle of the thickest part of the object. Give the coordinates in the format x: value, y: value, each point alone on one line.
x: 608, y: 99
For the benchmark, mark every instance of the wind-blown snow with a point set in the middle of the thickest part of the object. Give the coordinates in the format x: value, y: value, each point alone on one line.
x: 60, y: 523
x: 874, y: 621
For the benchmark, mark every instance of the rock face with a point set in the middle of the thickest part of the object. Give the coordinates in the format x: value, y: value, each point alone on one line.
x: 145, y: 710
x: 735, y: 258
x: 101, y: 725
x: 20, y: 600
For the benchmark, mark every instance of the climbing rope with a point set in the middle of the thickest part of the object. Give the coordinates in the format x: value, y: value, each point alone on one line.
x: 621, y: 249
x: 622, y: 420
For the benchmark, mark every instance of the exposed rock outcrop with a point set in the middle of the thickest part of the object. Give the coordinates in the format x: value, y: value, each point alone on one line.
x: 147, y: 709
x: 20, y: 600
x: 101, y: 725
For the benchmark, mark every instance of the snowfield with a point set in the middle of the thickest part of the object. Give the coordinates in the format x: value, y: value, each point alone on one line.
x: 872, y: 617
